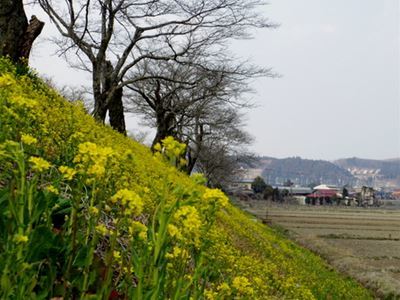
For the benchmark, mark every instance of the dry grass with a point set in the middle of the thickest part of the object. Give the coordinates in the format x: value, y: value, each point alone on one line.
x: 361, y: 242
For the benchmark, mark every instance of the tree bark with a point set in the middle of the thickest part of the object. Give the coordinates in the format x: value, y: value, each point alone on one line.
x: 32, y: 32
x: 116, y: 112
x: 193, y: 154
x: 13, y: 25
x: 165, y: 119
x: 165, y: 127
x: 16, y: 35
x: 107, y: 97
x: 100, y: 108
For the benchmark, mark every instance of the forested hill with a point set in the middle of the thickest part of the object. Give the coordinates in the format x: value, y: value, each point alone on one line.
x: 389, y: 169
x: 304, y: 171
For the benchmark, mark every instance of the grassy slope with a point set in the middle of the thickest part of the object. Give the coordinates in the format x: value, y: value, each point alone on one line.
x: 253, y: 260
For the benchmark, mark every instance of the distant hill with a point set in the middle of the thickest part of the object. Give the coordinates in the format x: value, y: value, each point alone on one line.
x: 304, y: 171
x: 385, y: 169
x: 352, y: 171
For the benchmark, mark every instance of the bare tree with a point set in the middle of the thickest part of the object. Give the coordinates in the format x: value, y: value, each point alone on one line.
x: 16, y: 34
x: 219, y: 160
x: 195, y: 102
x: 111, y: 38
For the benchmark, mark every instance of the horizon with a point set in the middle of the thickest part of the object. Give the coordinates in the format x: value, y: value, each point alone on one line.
x: 336, y: 159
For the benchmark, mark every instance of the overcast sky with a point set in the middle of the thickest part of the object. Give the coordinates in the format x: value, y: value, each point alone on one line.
x: 339, y: 93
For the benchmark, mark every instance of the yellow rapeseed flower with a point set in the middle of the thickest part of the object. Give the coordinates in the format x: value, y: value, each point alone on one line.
x: 93, y: 157
x: 224, y: 288
x: 52, y: 189
x: 242, y: 285
x: 177, y: 252
x: 216, y: 196
x: 68, y: 173
x: 19, y: 239
x: 102, y: 229
x: 131, y: 200
x: 39, y: 164
x: 138, y: 229
x: 93, y: 210
x: 117, y: 255
x: 188, y: 220
x: 28, y: 139
x: 174, y: 231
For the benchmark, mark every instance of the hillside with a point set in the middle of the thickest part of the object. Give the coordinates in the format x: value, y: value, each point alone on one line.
x: 304, y: 171
x: 88, y: 213
x: 388, y: 169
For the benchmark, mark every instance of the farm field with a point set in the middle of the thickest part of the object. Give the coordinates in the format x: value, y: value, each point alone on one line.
x: 361, y: 242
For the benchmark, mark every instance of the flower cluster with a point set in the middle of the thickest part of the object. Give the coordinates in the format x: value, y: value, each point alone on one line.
x: 93, y: 158
x: 215, y: 197
x: 28, y: 139
x: 130, y: 200
x: 173, y: 150
x: 39, y: 164
x: 187, y: 219
x: 68, y: 173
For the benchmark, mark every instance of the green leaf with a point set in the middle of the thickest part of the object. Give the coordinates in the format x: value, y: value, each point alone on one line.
x: 80, y: 259
x: 43, y: 245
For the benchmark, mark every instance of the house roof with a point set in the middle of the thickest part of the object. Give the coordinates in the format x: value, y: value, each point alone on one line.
x: 325, y: 187
x: 322, y: 193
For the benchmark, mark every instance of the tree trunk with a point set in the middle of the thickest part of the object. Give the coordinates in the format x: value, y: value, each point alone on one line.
x: 116, y: 112
x: 32, y: 32
x: 193, y: 154
x: 165, y: 126
x: 13, y: 25
x: 165, y: 120
x: 100, y: 108
x: 16, y: 35
x: 99, y: 96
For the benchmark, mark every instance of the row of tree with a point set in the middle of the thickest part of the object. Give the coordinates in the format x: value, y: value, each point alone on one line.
x: 166, y: 60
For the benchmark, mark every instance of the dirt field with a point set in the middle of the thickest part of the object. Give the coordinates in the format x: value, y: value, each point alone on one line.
x: 362, y: 242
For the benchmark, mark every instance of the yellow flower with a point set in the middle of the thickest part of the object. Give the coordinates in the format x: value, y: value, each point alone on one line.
x: 224, y: 288
x: 6, y: 80
x: 93, y: 210
x: 210, y: 295
x: 242, y: 285
x: 117, y: 255
x: 68, y: 173
x: 142, y: 235
x: 102, y: 229
x: 97, y: 170
x: 19, y: 238
x: 138, y: 229
x: 39, y: 164
x: 52, y: 189
x: 215, y: 196
x: 199, y: 178
x: 157, y: 147
x: 187, y: 218
x: 177, y: 253
x: 132, y: 201
x: 93, y: 157
x: 174, y: 231
x: 28, y: 139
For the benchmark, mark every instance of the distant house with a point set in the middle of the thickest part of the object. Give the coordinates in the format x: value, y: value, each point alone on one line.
x: 241, y: 184
x: 295, y: 190
x: 245, y: 178
x: 396, y: 194
x: 323, y: 194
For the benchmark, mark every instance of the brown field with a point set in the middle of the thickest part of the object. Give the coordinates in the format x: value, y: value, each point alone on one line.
x: 361, y: 242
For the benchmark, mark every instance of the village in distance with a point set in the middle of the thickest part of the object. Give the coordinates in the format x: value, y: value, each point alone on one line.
x: 350, y: 182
